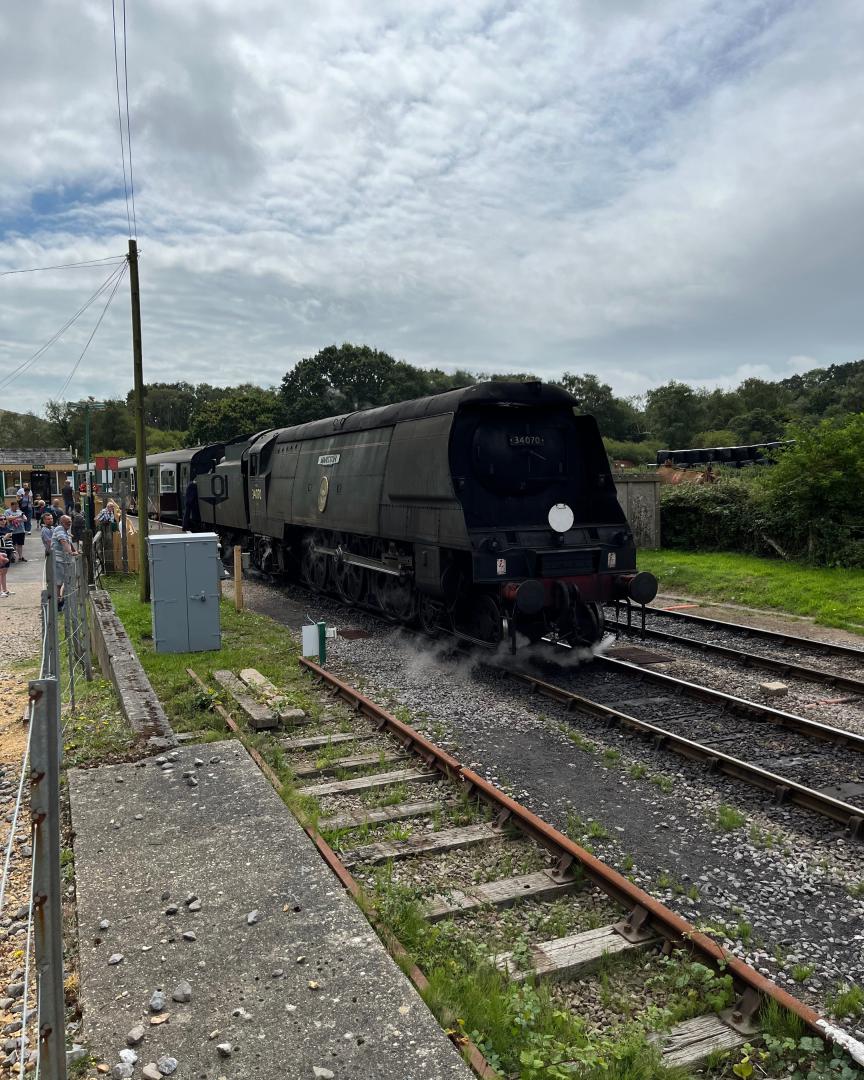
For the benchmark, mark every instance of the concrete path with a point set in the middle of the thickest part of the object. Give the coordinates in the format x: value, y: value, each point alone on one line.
x: 302, y: 990
x: 20, y: 611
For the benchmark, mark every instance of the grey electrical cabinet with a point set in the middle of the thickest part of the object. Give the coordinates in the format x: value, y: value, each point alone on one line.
x: 185, y: 586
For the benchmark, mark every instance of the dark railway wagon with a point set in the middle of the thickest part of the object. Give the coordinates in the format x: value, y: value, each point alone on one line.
x: 489, y: 511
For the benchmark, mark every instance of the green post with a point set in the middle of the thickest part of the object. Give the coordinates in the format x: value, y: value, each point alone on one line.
x: 88, y: 489
x: 322, y: 643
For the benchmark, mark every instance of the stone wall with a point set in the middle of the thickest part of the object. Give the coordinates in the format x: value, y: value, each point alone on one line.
x: 639, y: 496
x: 121, y: 666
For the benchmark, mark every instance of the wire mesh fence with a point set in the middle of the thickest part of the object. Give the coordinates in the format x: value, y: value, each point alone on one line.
x: 64, y: 663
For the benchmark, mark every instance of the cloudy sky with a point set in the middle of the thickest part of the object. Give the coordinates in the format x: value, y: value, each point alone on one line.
x: 645, y: 190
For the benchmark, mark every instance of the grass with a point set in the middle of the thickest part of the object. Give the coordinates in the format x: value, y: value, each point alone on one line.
x: 846, y: 1001
x: 98, y: 732
x: 248, y: 640
x: 833, y: 597
x: 728, y: 818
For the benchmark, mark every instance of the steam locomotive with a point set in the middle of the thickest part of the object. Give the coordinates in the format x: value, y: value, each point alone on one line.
x: 489, y: 512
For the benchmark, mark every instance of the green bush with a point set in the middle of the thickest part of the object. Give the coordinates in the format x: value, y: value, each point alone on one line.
x: 709, y: 517
x: 807, y: 506
x: 642, y: 453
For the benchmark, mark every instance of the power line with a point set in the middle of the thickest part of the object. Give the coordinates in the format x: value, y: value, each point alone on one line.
x: 63, y: 266
x: 128, y: 127
x: 120, y: 115
x: 95, y: 328
x: 12, y: 375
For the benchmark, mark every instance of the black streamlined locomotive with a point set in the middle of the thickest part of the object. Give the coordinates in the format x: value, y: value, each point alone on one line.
x: 489, y: 512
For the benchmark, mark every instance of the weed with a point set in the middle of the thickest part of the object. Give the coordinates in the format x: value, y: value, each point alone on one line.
x: 665, y: 783
x: 728, y: 818
x: 693, y: 893
x: 611, y: 756
x: 802, y: 972
x: 637, y: 771
x: 846, y: 1001
x: 664, y: 880
x: 744, y: 931
x: 596, y: 831
x: 627, y: 864
x: 857, y: 890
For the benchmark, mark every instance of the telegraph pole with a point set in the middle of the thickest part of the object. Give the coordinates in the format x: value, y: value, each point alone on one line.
x: 140, y: 447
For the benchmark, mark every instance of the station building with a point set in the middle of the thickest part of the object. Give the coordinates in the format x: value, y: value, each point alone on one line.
x: 45, y: 470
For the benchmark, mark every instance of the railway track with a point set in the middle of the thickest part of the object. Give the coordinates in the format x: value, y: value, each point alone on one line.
x: 785, y: 754
x: 393, y: 810
x: 788, y: 753
x: 702, y: 623
x: 781, y: 666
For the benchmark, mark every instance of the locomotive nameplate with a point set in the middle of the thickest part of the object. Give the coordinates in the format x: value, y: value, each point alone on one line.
x: 328, y: 459
x: 527, y: 440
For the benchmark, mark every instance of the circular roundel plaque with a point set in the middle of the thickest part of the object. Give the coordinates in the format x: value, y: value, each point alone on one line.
x: 323, y: 492
x: 560, y: 518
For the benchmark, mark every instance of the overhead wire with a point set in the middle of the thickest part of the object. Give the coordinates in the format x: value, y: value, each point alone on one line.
x: 11, y: 376
x: 75, y: 366
x: 63, y: 266
x: 128, y: 126
x: 119, y: 112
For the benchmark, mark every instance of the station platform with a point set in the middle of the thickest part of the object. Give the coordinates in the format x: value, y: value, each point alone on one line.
x: 212, y: 893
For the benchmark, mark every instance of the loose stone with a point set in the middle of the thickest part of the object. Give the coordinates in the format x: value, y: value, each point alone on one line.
x: 322, y: 1074
x: 129, y: 1057
x: 157, y: 1001
x: 122, y: 1071
x: 172, y: 909
x: 224, y: 1049
x: 151, y: 1071
x: 183, y: 992
x: 189, y: 935
x: 167, y: 1065
x: 135, y: 1036
x: 104, y: 924
x: 253, y: 917
x: 195, y: 905
x: 115, y: 958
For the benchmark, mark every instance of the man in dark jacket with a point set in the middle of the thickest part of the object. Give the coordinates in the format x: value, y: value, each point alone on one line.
x: 68, y: 497
x: 191, y: 510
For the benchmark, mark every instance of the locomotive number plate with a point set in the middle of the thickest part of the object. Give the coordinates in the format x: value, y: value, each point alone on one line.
x: 328, y: 459
x: 527, y: 440
x: 501, y: 566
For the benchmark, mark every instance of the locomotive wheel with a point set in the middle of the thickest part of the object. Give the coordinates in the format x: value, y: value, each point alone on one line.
x: 315, y: 568
x: 396, y: 597
x: 482, y: 620
x: 588, y: 625
x: 429, y: 613
x: 350, y: 582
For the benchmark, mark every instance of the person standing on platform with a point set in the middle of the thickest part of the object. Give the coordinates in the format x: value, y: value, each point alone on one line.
x: 16, y: 523
x: 25, y: 503
x: 79, y: 525
x: 61, y: 545
x: 47, y: 531
x: 191, y: 510
x: 68, y: 496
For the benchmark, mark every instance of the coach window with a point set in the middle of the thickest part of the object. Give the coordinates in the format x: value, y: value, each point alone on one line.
x: 167, y: 478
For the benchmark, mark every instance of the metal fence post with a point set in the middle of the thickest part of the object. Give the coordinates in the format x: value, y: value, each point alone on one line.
x: 83, y: 629
x: 53, y: 631
x: 47, y: 875
x: 68, y: 607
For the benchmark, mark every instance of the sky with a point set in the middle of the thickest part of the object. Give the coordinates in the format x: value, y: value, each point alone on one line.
x: 643, y: 190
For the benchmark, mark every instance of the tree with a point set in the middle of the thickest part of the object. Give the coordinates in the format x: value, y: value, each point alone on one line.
x: 756, y: 427
x: 717, y: 437
x: 617, y: 418
x: 673, y: 414
x: 349, y: 377
x: 813, y: 492
x: 242, y: 410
